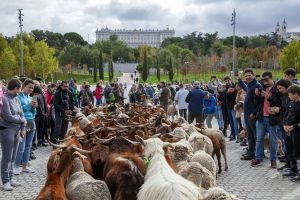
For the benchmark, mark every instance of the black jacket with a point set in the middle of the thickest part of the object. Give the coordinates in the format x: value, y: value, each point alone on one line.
x: 230, y: 97
x: 274, y: 100
x: 62, y: 101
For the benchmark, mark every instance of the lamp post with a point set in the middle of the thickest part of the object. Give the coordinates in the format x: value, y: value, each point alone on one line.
x: 21, y: 40
x: 233, y: 40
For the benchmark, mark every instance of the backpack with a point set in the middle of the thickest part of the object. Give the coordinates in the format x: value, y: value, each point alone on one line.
x: 85, y: 98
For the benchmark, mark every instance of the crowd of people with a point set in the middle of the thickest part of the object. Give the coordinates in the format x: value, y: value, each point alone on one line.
x: 33, y: 113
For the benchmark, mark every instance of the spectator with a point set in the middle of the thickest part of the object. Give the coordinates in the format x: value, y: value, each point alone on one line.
x: 249, y: 110
x: 195, y: 100
x: 266, y: 122
x: 86, y: 96
x: 282, y: 86
x: 63, y: 105
x: 98, y: 94
x: 1, y: 93
x: 221, y: 113
x: 291, y: 75
x: 74, y: 90
x: 172, y: 90
x: 12, y: 120
x: 149, y: 91
x: 51, y: 113
x: 136, y: 80
x: 164, y: 96
x: 180, y: 97
x: 240, y: 98
x: 29, y: 105
x: 230, y: 97
x: 132, y: 94
x: 292, y: 128
x: 131, y: 76
x: 210, y: 108
x: 107, y: 91
x: 140, y: 93
x: 42, y: 115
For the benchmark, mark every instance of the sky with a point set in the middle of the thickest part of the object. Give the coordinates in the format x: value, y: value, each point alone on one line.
x: 253, y: 17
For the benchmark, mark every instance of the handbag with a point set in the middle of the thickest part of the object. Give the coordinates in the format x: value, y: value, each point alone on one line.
x: 30, y: 126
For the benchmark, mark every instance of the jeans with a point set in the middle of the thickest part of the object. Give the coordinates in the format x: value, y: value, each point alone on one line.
x: 233, y: 122
x: 9, y: 144
x: 219, y: 118
x: 61, y: 126
x: 98, y: 102
x: 24, y: 149
x: 208, y: 119
x: 182, y: 113
x: 262, y: 128
x: 251, y: 130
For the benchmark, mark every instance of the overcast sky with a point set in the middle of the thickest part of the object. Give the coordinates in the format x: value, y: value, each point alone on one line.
x: 185, y: 16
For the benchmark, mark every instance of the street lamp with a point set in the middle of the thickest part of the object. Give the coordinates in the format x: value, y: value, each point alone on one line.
x: 186, y: 64
x: 233, y: 40
x: 21, y: 41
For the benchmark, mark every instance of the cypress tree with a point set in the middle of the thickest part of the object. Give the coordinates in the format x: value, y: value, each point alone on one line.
x: 171, y: 70
x: 157, y: 70
x: 100, y: 66
x: 145, y: 68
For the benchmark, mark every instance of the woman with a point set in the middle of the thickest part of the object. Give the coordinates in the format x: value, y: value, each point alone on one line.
x: 98, y: 94
x: 12, y: 122
x: 29, y: 105
x: 132, y: 94
x: 210, y: 108
x: 51, y: 114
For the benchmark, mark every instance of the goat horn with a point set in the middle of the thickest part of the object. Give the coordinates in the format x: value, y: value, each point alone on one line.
x: 96, y: 131
x: 82, y: 151
x: 65, y: 139
x: 57, y: 146
x: 130, y: 141
x: 104, y: 141
x: 138, y: 138
x: 111, y: 129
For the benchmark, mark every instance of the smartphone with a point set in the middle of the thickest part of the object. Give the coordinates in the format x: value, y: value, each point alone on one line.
x: 34, y: 98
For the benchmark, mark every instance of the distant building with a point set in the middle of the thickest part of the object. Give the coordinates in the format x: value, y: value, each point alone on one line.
x: 135, y: 38
x: 287, y: 36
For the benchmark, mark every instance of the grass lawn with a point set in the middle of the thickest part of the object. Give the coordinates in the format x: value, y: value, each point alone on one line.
x: 80, y: 77
x: 277, y: 74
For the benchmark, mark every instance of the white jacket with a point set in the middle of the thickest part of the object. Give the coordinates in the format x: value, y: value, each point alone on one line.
x: 180, y: 98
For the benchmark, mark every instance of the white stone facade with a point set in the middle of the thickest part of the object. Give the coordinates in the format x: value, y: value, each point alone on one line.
x: 287, y: 36
x: 135, y: 38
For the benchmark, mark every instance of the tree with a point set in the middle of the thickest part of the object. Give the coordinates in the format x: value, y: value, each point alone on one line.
x: 110, y: 71
x: 70, y: 55
x: 145, y: 68
x: 171, y: 70
x: 44, y: 61
x: 157, y: 70
x: 100, y: 66
x: 290, y: 56
x: 74, y: 38
x: 8, y: 63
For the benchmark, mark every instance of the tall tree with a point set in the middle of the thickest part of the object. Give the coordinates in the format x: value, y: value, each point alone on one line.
x: 290, y: 56
x: 110, y: 71
x: 157, y: 70
x: 171, y: 70
x: 100, y: 66
x: 95, y: 69
x: 145, y: 68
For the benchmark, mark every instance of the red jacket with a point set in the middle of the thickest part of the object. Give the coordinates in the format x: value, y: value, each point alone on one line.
x: 98, y: 92
x: 49, y: 97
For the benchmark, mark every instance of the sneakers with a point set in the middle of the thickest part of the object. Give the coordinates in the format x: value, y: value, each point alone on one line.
x: 246, y: 157
x: 14, y: 183
x: 17, y: 171
x: 284, y: 167
x: 28, y: 170
x: 7, y: 187
x: 273, y: 164
x: 255, y: 163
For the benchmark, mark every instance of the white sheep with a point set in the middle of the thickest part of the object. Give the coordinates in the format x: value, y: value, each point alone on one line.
x: 206, y: 161
x: 196, y: 173
x: 216, y: 193
x: 201, y: 142
x: 161, y: 182
x: 182, y: 151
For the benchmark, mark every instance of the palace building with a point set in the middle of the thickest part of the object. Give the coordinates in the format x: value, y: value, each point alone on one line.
x: 287, y: 36
x: 136, y: 37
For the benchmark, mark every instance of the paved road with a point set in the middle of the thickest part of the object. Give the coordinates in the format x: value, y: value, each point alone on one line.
x: 243, y: 180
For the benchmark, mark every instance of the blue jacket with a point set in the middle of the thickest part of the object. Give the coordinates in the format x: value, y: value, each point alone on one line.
x: 249, y: 105
x: 195, y: 100
x: 28, y: 110
x: 210, y: 105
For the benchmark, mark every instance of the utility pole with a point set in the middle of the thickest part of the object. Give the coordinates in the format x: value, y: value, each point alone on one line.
x: 233, y: 41
x: 21, y: 41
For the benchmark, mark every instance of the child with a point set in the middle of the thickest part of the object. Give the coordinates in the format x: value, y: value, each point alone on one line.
x: 292, y: 129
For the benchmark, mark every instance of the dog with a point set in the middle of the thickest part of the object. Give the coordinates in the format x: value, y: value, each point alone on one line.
x: 172, y: 111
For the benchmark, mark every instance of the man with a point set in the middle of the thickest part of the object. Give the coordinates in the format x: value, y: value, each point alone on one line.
x: 230, y: 96
x: 291, y: 75
x: 164, y: 95
x: 86, y: 96
x: 180, y: 97
x: 249, y: 108
x: 195, y: 100
x: 267, y: 120
x: 63, y: 104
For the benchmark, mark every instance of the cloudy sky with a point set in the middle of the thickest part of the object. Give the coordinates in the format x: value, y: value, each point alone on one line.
x: 185, y: 16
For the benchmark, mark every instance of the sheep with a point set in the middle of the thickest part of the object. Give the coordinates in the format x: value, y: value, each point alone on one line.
x: 182, y: 151
x: 196, y: 173
x: 198, y: 140
x: 179, y: 132
x: 216, y: 193
x: 206, y: 161
x: 161, y: 182
x: 82, y: 186
x: 172, y: 111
